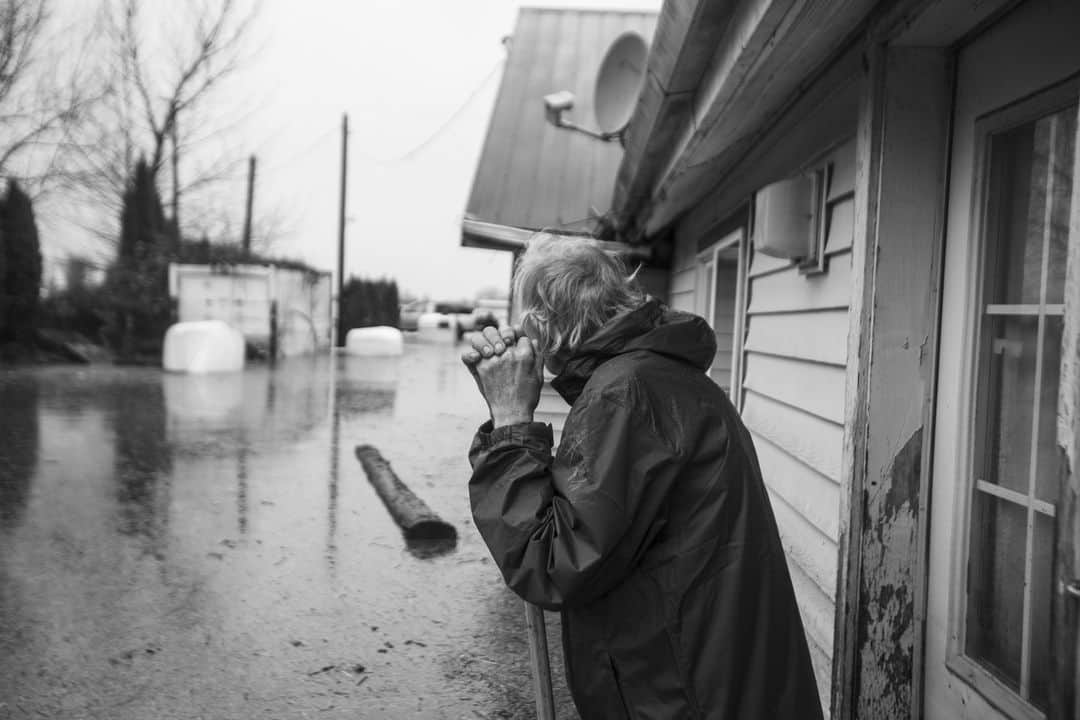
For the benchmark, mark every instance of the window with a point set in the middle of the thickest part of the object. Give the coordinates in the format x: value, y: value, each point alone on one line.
x: 814, y: 261
x: 720, y: 283
x: 1006, y: 609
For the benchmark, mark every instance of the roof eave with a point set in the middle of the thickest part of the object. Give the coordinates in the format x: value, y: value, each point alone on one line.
x: 716, y: 76
x: 492, y: 236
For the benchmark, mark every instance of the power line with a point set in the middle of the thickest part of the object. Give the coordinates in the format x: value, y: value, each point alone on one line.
x: 407, y: 155
x: 449, y: 120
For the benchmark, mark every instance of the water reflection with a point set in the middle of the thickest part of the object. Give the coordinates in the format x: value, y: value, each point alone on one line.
x: 19, y: 429
x: 367, y: 385
x: 218, y: 413
x: 332, y: 490
x: 360, y: 386
x: 142, y: 464
x: 242, y: 488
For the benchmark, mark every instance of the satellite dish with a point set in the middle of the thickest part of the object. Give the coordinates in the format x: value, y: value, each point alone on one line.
x: 619, y: 81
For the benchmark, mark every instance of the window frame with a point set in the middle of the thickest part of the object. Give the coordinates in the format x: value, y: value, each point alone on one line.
x: 709, y: 258
x: 1032, y: 108
x: 816, y: 262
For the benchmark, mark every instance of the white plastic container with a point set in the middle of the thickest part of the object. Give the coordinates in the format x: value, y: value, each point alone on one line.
x: 374, y: 341
x: 203, y: 346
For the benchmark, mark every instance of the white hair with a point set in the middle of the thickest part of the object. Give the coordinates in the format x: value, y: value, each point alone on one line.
x: 567, y: 288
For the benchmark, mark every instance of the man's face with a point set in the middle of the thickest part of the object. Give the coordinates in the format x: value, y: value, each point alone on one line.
x: 553, y: 363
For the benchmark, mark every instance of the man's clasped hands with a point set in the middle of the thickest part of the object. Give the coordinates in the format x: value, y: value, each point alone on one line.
x: 508, y: 371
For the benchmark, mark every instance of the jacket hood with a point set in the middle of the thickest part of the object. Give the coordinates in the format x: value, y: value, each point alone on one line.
x: 653, y: 327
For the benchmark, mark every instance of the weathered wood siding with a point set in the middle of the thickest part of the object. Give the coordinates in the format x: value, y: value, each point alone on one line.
x: 793, y: 404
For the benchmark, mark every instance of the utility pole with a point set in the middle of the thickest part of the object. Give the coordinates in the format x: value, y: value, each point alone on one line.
x: 250, y: 206
x: 341, y: 229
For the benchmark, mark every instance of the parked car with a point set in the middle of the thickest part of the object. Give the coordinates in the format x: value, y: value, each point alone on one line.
x: 460, y: 316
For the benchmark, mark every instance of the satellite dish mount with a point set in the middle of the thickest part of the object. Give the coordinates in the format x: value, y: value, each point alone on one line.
x: 618, y: 85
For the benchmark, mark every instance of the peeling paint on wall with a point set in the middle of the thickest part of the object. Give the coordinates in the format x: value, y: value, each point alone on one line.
x: 887, y: 634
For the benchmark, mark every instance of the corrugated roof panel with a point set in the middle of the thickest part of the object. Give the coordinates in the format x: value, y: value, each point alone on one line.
x: 532, y: 174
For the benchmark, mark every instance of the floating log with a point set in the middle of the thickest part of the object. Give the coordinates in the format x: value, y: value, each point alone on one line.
x: 413, y: 516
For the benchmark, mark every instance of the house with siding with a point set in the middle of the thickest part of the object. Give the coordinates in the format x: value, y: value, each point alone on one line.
x: 873, y: 203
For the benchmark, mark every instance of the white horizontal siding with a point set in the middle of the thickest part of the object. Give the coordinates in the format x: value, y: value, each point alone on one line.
x: 789, y: 291
x: 683, y: 281
x: 683, y: 302
x: 817, y: 612
x: 813, y: 387
x: 793, y: 404
x: 802, y: 335
x: 795, y: 377
x: 761, y: 264
x: 814, y: 442
x: 806, y: 546
x: 812, y: 495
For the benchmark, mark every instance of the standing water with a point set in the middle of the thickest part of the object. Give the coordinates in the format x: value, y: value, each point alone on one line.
x: 177, y: 546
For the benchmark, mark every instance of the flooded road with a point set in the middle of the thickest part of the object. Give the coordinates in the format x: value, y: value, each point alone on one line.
x: 209, y: 547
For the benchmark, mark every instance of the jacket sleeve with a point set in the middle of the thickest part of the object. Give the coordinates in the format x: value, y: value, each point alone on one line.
x: 566, y: 530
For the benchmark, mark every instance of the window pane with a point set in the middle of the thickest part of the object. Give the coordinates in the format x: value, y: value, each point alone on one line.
x: 1048, y: 461
x: 1042, y: 580
x: 1016, y: 275
x: 1008, y: 402
x: 1061, y: 159
x: 995, y: 611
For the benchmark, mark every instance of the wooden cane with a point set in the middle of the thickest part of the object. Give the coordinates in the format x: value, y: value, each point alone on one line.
x: 541, y: 666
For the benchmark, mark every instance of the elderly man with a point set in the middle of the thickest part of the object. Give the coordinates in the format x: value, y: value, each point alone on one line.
x: 650, y: 529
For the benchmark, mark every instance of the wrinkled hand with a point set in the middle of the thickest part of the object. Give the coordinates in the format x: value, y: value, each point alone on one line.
x: 508, y: 372
x: 489, y: 342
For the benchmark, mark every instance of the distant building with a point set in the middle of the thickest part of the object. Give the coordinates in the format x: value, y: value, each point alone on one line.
x: 284, y: 311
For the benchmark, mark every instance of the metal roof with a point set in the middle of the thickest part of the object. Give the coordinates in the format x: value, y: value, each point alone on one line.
x: 532, y: 175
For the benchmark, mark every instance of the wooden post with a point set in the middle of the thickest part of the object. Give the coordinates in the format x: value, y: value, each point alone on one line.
x: 892, y: 362
x: 541, y: 665
x: 249, y: 206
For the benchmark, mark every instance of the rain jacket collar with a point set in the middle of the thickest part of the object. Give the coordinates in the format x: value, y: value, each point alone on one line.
x: 652, y: 327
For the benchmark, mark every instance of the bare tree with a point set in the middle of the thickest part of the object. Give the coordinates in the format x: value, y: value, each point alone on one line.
x: 46, y: 90
x: 166, y: 69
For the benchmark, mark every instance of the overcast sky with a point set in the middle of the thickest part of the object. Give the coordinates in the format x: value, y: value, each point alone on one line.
x: 418, y: 80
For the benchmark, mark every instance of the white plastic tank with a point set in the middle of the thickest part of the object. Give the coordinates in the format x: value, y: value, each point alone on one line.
x: 203, y: 346
x: 374, y: 341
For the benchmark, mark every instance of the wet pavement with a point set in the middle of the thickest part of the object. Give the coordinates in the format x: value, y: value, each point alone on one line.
x: 209, y: 547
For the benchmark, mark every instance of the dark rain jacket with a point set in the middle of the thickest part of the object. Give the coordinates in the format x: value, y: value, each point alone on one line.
x: 651, y: 532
